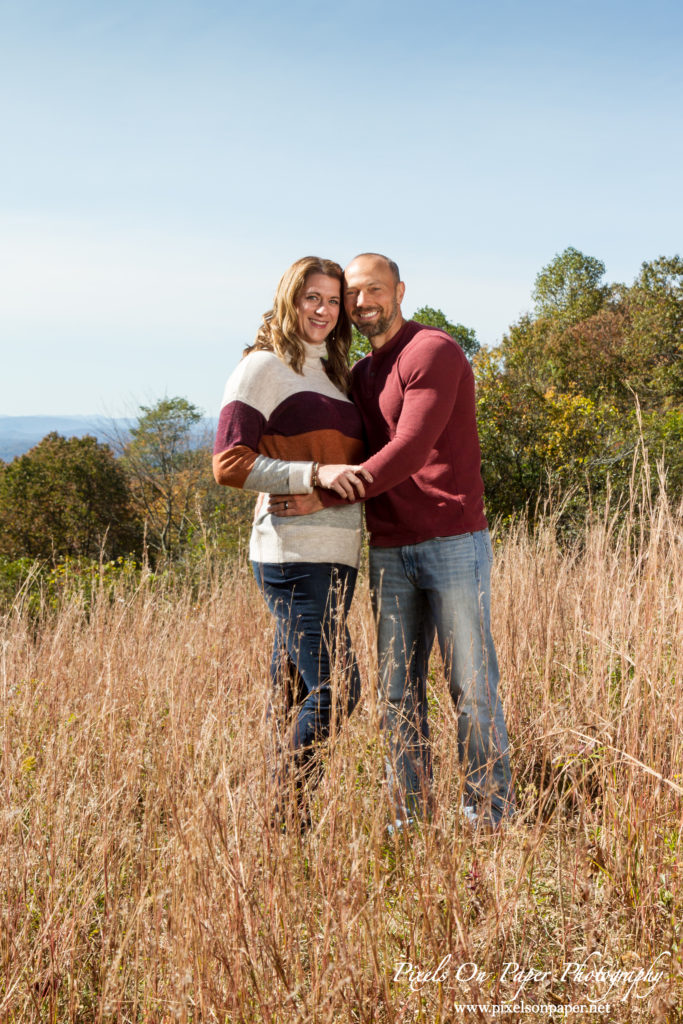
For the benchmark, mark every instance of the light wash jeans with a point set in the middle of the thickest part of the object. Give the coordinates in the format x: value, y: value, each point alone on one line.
x: 440, y: 587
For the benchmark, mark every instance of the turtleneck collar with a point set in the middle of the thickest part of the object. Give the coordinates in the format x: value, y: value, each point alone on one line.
x: 314, y: 352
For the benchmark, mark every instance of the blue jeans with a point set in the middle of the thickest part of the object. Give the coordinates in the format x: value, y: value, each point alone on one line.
x: 310, y: 602
x: 440, y: 587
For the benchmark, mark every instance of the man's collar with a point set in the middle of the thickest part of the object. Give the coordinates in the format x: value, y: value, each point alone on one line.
x: 390, y: 345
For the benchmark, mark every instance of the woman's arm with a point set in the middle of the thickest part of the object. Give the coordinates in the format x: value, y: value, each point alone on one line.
x: 247, y: 404
x: 432, y: 375
x: 341, y: 479
x: 239, y: 465
x: 248, y: 396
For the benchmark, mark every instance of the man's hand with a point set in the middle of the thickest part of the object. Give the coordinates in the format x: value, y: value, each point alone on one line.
x: 343, y: 479
x: 294, y: 504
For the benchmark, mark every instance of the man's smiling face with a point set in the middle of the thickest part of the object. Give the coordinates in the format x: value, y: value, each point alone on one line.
x: 372, y: 298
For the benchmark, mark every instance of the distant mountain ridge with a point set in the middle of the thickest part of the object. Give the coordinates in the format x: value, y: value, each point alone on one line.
x: 18, y: 434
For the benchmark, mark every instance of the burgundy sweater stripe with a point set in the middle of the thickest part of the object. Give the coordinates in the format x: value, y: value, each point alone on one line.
x: 302, y: 413
x: 308, y: 410
x: 238, y: 424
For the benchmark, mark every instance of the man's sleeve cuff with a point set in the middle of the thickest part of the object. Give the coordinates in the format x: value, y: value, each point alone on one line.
x: 330, y: 498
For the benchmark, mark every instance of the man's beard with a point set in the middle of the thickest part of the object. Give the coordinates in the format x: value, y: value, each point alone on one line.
x: 379, y: 326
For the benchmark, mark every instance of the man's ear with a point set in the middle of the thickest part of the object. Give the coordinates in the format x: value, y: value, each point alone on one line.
x: 400, y: 292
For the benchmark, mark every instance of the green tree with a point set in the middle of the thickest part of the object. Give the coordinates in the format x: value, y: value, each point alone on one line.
x: 165, y: 466
x: 360, y: 346
x: 654, y: 339
x: 569, y: 394
x: 66, y: 497
x: 534, y: 440
x: 570, y: 287
x: 465, y: 336
x: 510, y: 417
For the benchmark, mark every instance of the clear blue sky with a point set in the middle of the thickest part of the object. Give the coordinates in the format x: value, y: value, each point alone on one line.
x: 163, y: 163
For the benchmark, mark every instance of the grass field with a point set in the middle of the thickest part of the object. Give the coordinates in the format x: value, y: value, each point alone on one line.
x: 140, y: 879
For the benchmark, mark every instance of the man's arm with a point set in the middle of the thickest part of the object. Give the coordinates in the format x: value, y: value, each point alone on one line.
x: 432, y: 372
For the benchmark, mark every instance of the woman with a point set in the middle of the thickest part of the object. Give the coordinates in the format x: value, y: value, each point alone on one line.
x: 287, y: 426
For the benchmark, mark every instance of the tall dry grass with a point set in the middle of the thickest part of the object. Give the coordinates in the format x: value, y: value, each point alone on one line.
x: 141, y: 880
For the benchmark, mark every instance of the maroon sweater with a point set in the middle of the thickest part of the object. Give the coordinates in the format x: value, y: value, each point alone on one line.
x: 416, y: 398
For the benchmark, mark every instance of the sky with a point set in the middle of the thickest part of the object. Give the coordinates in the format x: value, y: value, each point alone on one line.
x: 163, y: 163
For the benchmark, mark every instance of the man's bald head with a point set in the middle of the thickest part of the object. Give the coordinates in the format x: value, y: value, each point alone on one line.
x: 393, y: 267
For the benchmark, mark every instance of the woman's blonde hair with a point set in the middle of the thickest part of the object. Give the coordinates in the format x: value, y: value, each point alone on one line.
x: 278, y: 331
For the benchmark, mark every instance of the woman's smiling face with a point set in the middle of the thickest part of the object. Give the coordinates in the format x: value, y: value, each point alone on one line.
x: 317, y: 307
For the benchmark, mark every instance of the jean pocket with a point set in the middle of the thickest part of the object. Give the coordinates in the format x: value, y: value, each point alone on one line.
x: 488, y: 547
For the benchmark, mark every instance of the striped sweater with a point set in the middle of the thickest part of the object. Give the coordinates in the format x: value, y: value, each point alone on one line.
x: 273, y: 425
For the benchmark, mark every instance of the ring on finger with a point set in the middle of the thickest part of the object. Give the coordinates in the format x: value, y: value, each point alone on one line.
x: 286, y: 504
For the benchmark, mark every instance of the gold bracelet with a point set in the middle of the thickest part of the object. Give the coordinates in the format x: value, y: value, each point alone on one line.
x: 314, y: 475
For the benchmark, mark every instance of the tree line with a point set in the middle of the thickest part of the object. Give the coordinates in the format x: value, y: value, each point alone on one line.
x: 573, y: 393
x: 581, y: 386
x: 150, y: 492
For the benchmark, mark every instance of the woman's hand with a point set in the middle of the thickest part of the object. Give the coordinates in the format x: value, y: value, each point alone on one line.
x: 343, y: 480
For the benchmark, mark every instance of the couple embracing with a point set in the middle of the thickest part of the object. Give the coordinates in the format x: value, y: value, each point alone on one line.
x: 396, y: 434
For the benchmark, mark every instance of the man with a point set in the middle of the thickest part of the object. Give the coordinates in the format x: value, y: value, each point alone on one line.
x: 430, y: 550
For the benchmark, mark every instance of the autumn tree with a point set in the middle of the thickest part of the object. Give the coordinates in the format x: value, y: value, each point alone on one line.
x: 165, y: 463
x: 66, y: 497
x: 655, y: 332
x: 572, y: 391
